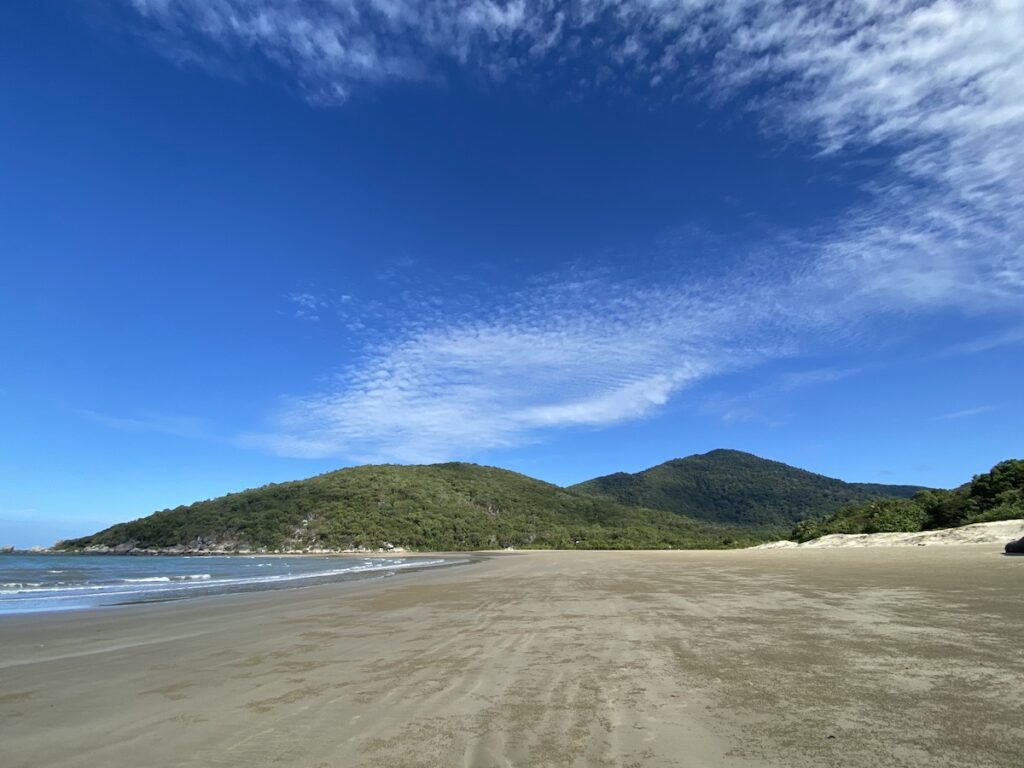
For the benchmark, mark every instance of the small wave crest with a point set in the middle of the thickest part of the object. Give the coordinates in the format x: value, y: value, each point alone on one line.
x: 30, y: 595
x: 167, y: 579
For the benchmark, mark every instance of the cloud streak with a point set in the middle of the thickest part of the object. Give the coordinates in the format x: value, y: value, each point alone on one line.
x: 176, y: 426
x: 986, y: 343
x: 934, y: 84
x: 966, y: 413
x: 934, y: 87
x: 573, y: 353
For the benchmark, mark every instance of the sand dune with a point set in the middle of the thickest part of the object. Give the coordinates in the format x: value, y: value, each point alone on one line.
x: 980, y: 533
x: 860, y: 657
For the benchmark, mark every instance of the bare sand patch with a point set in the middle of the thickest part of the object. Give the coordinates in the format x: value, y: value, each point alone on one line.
x: 998, y: 533
x: 859, y: 657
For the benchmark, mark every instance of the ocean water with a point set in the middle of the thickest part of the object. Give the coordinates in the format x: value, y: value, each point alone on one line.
x: 31, y: 583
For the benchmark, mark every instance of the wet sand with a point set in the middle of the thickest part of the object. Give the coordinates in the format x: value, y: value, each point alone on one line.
x: 859, y: 657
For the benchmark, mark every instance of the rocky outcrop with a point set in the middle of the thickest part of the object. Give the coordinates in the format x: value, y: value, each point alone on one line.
x: 202, y: 547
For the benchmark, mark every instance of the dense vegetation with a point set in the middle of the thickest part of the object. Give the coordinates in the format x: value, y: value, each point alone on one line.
x: 995, y: 495
x: 438, y: 507
x: 719, y: 499
x: 737, y: 488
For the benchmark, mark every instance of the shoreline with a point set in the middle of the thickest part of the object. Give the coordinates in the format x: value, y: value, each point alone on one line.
x: 398, y: 555
x: 176, y: 588
x: 229, y: 602
x: 755, y: 659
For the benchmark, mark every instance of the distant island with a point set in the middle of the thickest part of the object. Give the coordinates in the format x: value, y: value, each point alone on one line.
x: 720, y: 499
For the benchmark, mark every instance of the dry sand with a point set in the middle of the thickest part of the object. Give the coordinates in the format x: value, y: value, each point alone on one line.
x: 859, y: 657
x: 979, y: 533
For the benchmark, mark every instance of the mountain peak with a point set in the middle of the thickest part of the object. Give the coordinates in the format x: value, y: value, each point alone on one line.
x: 736, y: 487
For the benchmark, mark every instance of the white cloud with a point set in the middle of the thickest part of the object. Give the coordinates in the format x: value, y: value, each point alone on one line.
x: 307, y: 305
x: 177, y: 426
x: 575, y: 353
x: 936, y: 85
x: 967, y: 413
x: 934, y: 88
x: 985, y: 343
x: 809, y: 378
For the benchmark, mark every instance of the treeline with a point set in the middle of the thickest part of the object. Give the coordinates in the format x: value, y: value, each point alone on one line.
x: 437, y: 507
x: 995, y: 495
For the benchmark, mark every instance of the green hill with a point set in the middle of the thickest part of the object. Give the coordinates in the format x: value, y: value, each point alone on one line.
x: 737, y: 488
x: 436, y: 507
x: 995, y: 495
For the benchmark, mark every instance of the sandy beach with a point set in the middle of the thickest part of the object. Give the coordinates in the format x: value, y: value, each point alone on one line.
x: 858, y: 657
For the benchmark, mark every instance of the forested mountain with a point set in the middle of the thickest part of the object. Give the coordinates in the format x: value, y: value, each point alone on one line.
x: 436, y: 507
x: 718, y: 499
x: 737, y: 488
x: 995, y: 495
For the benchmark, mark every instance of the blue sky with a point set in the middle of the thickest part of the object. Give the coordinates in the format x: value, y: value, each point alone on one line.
x: 248, y: 241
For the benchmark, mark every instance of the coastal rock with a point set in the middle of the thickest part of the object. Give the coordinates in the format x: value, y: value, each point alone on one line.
x: 1015, y: 547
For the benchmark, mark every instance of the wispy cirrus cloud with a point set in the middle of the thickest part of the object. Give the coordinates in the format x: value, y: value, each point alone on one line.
x: 933, y: 87
x: 936, y: 84
x: 966, y: 413
x: 581, y: 350
x: 985, y: 343
x: 585, y: 351
x: 758, y: 405
x: 814, y: 376
x: 177, y: 426
x: 307, y: 306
